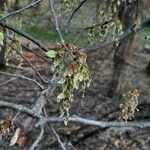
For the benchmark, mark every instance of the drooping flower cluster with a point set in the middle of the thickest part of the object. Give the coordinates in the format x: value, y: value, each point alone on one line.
x: 129, y: 105
x: 71, y: 65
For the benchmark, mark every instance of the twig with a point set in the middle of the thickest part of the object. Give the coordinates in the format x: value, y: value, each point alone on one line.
x: 37, y: 54
x: 127, y: 33
x: 27, y: 48
x: 4, y: 25
x: 56, y: 21
x: 72, y: 15
x: 55, y: 133
x: 15, y: 67
x: 57, y: 25
x: 102, y: 124
x: 91, y: 27
x: 20, y: 108
x: 23, y: 77
x: 33, y: 3
x: 35, y: 70
x: 58, y: 139
x: 39, y: 138
x: 96, y: 25
x: 74, y: 119
x: 37, y: 107
x: 8, y: 81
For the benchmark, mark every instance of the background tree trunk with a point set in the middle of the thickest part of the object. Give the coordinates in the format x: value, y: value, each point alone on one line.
x: 3, y: 47
x: 129, y: 16
x: 12, y: 5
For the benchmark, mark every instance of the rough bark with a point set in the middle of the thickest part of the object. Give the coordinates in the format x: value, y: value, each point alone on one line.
x: 148, y: 68
x: 129, y: 16
x: 11, y: 6
x: 3, y: 47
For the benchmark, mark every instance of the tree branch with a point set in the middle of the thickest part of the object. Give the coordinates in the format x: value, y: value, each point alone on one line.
x: 23, y: 77
x: 35, y: 70
x: 4, y: 25
x: 55, y: 133
x: 39, y: 138
x: 58, y: 139
x: 127, y: 33
x: 102, y: 124
x: 20, y: 108
x: 33, y: 3
x: 8, y: 81
x: 27, y: 48
x: 56, y: 21
x: 72, y: 15
x: 91, y: 27
x: 74, y: 119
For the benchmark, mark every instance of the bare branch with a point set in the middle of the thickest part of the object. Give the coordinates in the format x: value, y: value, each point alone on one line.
x: 56, y: 21
x: 37, y: 54
x: 72, y: 15
x: 20, y: 108
x: 8, y: 81
x: 37, y: 107
x: 102, y: 124
x: 23, y: 77
x: 91, y: 27
x: 27, y: 48
x: 127, y: 33
x: 55, y: 133
x: 98, y: 24
x: 75, y: 119
x: 58, y: 139
x: 39, y: 138
x: 35, y: 70
x: 5, y: 25
x: 16, y: 67
x: 33, y: 3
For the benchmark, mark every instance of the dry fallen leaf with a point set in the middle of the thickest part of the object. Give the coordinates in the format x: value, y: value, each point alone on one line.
x: 22, y: 141
x: 15, y: 137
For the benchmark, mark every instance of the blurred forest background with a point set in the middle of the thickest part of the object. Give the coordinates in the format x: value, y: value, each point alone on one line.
x: 102, y: 99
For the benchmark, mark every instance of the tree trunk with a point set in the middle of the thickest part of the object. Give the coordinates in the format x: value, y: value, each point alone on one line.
x: 123, y: 52
x: 2, y: 47
x: 11, y: 6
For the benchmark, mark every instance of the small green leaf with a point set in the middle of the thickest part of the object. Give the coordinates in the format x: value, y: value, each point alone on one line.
x: 58, y: 100
x: 75, y: 84
x: 53, y: 68
x: 61, y: 81
x: 56, y: 62
x: 61, y: 96
x: 51, y: 53
x: 81, y: 78
x: 65, y: 86
x: 65, y: 122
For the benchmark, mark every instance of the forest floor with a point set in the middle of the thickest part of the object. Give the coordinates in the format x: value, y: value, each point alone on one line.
x: 95, y: 104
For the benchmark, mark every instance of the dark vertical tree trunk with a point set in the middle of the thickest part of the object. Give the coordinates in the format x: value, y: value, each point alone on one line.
x: 128, y: 14
x: 2, y: 47
x: 2, y: 51
x: 12, y: 6
x: 16, y: 5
